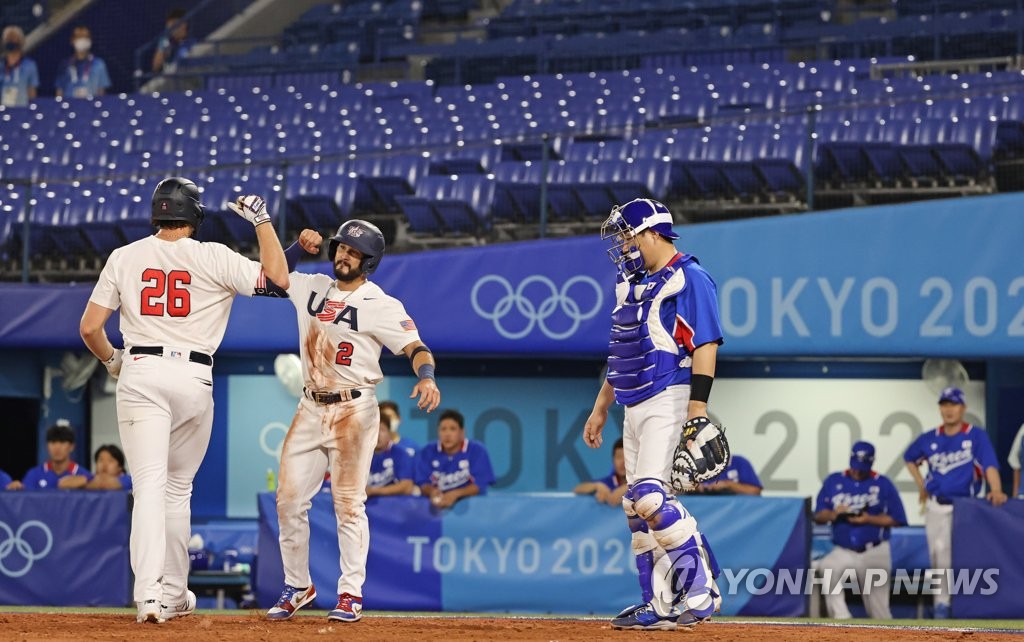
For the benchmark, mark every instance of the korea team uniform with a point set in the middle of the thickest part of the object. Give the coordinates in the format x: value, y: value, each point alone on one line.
x: 739, y: 470
x: 860, y: 546
x: 390, y: 466
x: 45, y: 478
x: 341, y: 335
x: 470, y: 465
x: 956, y: 468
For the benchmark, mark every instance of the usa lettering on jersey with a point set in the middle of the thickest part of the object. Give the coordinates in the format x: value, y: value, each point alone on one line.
x: 334, y: 312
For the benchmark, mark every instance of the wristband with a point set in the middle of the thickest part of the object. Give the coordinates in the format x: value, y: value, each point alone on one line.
x: 700, y: 387
x: 426, y: 371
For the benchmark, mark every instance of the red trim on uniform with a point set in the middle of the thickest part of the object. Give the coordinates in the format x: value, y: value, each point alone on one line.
x: 871, y: 474
x: 465, y: 445
x: 683, y: 334
x: 964, y: 429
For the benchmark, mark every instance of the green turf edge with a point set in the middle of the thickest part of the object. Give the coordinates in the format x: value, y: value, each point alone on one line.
x: 965, y: 624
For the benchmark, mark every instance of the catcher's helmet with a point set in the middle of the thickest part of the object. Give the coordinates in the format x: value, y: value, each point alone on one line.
x: 626, y: 221
x: 363, y: 236
x: 177, y: 199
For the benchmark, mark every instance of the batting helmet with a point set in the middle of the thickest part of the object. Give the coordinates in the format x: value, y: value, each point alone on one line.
x: 177, y: 199
x: 363, y: 236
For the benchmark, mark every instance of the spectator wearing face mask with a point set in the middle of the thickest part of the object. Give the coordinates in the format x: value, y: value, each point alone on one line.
x: 20, y: 81
x: 83, y: 75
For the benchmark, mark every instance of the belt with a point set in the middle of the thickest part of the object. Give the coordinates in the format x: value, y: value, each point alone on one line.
x: 861, y: 549
x: 945, y: 501
x: 325, y: 397
x: 194, y: 357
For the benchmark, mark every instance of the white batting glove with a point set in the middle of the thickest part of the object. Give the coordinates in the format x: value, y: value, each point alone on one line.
x: 252, y: 208
x: 113, y: 364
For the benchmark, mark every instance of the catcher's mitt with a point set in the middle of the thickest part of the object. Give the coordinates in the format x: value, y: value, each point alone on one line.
x: 702, y: 454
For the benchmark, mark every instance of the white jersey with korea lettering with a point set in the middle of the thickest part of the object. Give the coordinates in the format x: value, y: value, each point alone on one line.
x: 341, y: 334
x: 175, y: 293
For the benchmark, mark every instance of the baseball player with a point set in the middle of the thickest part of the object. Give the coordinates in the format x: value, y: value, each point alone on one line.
x: 175, y: 295
x: 738, y: 478
x: 454, y: 467
x: 664, y: 343
x: 344, y: 323
x: 58, y: 471
x: 959, y: 456
x: 609, y: 489
x: 390, y: 409
x: 391, y: 468
x: 862, y: 507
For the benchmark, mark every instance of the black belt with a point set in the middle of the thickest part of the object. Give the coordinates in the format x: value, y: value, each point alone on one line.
x: 194, y: 357
x: 325, y: 398
x: 861, y: 549
x: 945, y: 501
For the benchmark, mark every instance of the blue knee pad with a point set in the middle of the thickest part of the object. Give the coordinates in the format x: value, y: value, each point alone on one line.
x: 653, y: 504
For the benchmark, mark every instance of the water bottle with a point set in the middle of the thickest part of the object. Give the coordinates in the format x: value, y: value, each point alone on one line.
x: 271, y: 480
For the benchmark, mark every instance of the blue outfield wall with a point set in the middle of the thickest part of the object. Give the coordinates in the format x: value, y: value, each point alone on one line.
x: 936, y: 278
x: 536, y: 553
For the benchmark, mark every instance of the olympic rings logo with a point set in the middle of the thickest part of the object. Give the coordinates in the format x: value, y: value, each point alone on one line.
x: 536, y: 314
x: 265, y: 431
x: 16, y: 542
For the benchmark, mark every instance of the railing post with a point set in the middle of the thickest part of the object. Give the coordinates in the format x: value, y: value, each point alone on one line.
x: 26, y: 242
x: 544, y: 186
x: 809, y: 155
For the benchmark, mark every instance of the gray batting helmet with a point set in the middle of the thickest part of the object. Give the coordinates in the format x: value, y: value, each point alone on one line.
x: 363, y: 236
x: 177, y: 199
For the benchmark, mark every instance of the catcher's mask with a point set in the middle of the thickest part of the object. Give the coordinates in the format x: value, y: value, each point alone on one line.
x: 626, y: 222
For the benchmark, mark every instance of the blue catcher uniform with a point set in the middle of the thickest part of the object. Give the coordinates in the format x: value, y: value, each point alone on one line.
x: 470, y: 465
x: 739, y: 470
x: 859, y: 547
x: 45, y: 478
x: 658, y: 322
x: 390, y: 466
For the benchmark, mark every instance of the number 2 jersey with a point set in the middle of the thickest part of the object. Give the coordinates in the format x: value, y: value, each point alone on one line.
x: 175, y: 293
x: 342, y: 333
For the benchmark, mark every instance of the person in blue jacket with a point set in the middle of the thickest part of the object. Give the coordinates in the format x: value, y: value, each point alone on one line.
x: 453, y: 467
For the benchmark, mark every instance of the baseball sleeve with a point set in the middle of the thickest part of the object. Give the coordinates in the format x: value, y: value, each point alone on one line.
x: 697, y: 308
x: 915, y: 452
x: 233, y: 271
x: 893, y: 503
x: 396, y: 329
x: 986, y: 454
x: 1016, y: 456
x: 404, y: 464
x: 106, y: 292
x: 824, y: 501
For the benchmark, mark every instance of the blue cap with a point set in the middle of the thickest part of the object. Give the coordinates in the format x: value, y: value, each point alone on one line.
x: 862, y: 456
x: 952, y: 395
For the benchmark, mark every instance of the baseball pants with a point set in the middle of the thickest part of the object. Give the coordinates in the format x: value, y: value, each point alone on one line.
x: 164, y: 416
x: 938, y: 528
x: 339, y: 437
x: 876, y: 598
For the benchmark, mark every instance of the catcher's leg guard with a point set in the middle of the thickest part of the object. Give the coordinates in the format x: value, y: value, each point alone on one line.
x: 693, y: 579
x: 643, y: 545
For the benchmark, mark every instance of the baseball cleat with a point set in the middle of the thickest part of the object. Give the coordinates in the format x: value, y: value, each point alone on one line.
x: 629, y: 610
x: 349, y: 609
x: 181, y: 610
x: 645, y: 618
x: 149, y: 612
x: 292, y: 599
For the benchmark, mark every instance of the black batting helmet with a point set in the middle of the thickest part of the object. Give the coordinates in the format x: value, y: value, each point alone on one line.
x: 363, y: 236
x: 177, y: 199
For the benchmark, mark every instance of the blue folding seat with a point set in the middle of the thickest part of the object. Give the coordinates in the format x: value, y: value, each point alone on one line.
x: 706, y: 181
x: 653, y: 175
x: 842, y: 163
x: 742, y: 179
x: 466, y: 205
x: 779, y: 176
x: 884, y: 162
x: 919, y: 162
x: 420, y: 215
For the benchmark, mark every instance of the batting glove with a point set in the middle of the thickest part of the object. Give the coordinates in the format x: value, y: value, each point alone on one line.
x: 252, y: 208
x: 113, y: 364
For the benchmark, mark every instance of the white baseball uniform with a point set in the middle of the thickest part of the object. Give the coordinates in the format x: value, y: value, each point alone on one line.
x: 341, y: 335
x: 175, y: 296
